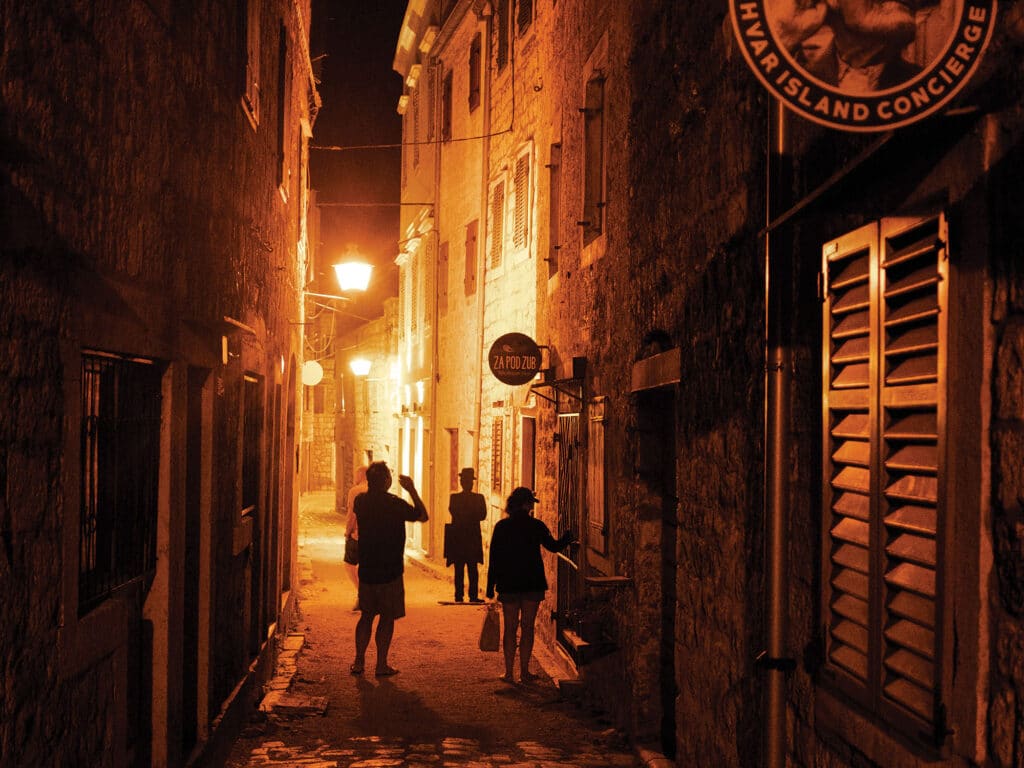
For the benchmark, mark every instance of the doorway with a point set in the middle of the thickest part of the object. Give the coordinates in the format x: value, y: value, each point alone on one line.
x: 656, y: 477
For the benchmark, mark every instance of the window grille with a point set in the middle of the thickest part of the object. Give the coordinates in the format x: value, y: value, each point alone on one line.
x: 497, y: 223
x: 120, y: 460
x: 884, y: 400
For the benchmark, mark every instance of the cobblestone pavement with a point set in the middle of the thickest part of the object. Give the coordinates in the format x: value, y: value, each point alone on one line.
x: 445, y: 709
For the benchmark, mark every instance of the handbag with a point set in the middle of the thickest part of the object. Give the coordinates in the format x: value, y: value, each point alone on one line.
x: 448, y: 551
x: 490, y: 632
x: 351, y: 551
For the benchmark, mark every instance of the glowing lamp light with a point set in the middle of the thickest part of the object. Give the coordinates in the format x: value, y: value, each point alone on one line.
x: 360, y: 366
x: 353, y: 275
x: 312, y: 373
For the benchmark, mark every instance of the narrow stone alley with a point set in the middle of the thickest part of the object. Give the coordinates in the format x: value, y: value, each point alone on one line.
x: 446, y: 707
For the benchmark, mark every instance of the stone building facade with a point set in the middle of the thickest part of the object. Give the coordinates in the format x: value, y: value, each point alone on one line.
x: 154, y: 193
x: 801, y: 419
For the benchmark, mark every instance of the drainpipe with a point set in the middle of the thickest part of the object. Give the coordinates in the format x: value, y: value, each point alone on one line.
x: 778, y: 377
x: 481, y: 230
x: 436, y: 489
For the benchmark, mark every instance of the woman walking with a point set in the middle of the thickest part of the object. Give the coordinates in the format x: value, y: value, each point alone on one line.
x: 517, y: 572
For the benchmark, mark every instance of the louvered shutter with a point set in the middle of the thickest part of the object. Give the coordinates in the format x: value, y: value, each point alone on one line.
x: 883, y: 411
x: 913, y: 305
x: 497, y: 223
x: 521, y: 215
x: 848, y: 417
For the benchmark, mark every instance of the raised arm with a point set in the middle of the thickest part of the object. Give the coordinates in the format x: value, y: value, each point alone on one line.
x: 410, y: 487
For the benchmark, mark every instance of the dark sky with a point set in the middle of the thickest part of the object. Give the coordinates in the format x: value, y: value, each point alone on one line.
x: 353, y: 46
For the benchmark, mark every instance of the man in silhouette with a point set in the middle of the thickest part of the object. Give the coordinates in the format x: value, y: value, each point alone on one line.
x: 381, y: 517
x: 463, y: 545
x: 854, y: 45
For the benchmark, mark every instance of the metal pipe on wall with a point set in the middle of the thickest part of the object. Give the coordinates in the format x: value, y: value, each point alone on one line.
x: 778, y: 382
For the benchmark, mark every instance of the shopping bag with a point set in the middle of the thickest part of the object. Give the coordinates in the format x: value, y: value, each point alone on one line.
x: 490, y: 632
x: 351, y: 551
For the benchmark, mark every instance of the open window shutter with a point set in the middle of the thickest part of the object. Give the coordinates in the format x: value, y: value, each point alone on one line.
x: 497, y: 223
x: 885, y: 315
x: 521, y: 213
x: 850, y: 328
x: 914, y: 312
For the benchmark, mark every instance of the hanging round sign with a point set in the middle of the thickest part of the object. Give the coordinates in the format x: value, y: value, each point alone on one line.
x: 863, y: 65
x: 514, y: 358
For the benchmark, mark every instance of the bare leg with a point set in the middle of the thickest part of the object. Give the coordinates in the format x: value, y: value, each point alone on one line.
x: 385, y: 631
x: 363, y: 629
x: 510, y: 610
x: 526, y: 638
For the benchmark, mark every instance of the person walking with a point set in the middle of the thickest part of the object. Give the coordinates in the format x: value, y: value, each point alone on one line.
x: 517, y: 572
x: 381, y: 517
x: 463, y: 546
x: 352, y: 530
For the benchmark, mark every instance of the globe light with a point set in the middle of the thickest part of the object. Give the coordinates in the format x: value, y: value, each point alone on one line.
x: 312, y: 373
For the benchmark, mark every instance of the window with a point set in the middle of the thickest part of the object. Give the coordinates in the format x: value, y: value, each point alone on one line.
x: 442, y: 279
x: 497, y: 449
x: 121, y: 402
x: 554, y: 208
x: 446, y: 107
x: 597, y: 526
x: 594, y: 161
x: 521, y: 210
x: 471, y: 257
x: 474, y: 73
x: 251, y: 92
x: 283, y: 100
x: 501, y: 30
x: 252, y: 439
x: 884, y: 402
x: 497, y: 223
x: 524, y: 15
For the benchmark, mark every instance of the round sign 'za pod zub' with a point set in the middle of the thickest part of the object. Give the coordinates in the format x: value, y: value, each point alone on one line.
x: 514, y: 358
x: 870, y: 65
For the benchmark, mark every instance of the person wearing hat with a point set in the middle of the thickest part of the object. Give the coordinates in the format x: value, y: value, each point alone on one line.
x: 463, y: 547
x: 516, y: 571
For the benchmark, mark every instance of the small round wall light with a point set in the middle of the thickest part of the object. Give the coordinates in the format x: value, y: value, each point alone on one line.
x: 312, y: 373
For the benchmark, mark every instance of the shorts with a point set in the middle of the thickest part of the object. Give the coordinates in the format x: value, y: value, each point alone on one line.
x: 515, y: 597
x: 386, y: 600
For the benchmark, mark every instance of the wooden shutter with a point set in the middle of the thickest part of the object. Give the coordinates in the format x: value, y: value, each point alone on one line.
x: 524, y: 15
x: 497, y: 223
x: 469, y: 279
x: 849, y: 330
x: 883, y: 415
x: 913, y: 287
x: 521, y: 214
x: 442, y: 279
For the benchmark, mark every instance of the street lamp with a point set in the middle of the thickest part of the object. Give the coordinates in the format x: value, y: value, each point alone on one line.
x: 360, y: 366
x: 353, y: 275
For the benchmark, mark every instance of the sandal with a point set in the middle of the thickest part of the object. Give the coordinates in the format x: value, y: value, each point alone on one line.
x: 386, y: 672
x: 529, y: 677
x: 507, y: 679
x: 356, y: 669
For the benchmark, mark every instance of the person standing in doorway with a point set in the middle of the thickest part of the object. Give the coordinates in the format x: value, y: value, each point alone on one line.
x: 464, y: 547
x: 381, y: 517
x: 517, y: 572
x: 352, y: 530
